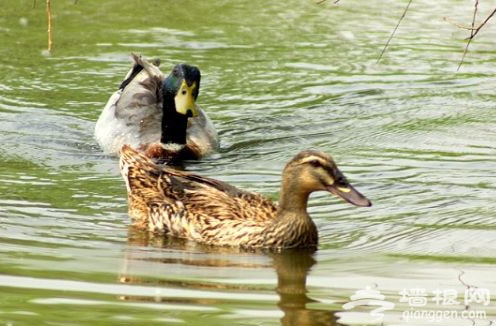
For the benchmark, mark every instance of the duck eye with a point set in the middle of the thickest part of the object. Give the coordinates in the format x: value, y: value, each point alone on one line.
x: 184, y: 92
x: 315, y: 163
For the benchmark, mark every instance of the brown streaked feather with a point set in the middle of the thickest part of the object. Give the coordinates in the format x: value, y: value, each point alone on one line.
x: 209, y: 211
x: 191, y: 206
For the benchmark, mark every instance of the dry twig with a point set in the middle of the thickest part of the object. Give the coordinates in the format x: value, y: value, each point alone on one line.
x: 394, y: 31
x: 472, y: 31
x: 460, y: 26
x: 477, y: 30
x: 322, y: 1
x: 49, y: 17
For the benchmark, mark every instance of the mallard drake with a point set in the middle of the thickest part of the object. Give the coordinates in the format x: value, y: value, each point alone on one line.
x: 149, y: 108
x: 187, y: 205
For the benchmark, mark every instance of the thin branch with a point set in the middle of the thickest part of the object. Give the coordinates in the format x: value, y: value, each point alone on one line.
x: 472, y: 32
x: 469, y: 28
x: 321, y: 1
x: 468, y: 286
x: 394, y: 31
x: 475, y: 31
x: 49, y: 17
x: 460, y: 26
x: 483, y: 23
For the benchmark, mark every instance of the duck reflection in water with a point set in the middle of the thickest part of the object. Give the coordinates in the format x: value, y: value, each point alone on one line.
x: 292, y: 268
x: 166, y: 254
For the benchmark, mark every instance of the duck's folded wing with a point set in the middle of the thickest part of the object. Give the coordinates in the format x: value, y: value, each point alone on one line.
x: 217, y: 198
x: 202, y: 136
x: 188, y: 205
x: 133, y: 114
x: 190, y: 181
x: 140, y: 104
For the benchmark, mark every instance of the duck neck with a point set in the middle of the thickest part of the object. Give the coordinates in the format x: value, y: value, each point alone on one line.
x: 292, y: 227
x: 173, y: 124
x: 293, y: 200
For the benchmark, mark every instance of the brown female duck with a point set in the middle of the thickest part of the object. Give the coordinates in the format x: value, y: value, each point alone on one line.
x: 209, y: 211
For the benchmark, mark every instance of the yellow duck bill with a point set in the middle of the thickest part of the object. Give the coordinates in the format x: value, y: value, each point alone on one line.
x: 184, y: 100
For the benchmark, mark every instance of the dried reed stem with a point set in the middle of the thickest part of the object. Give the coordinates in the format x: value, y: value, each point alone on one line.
x: 49, y: 17
x: 394, y: 31
x: 472, y: 31
x: 483, y: 23
x: 322, y: 1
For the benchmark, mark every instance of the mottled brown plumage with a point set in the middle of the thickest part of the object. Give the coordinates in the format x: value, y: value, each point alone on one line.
x: 186, y: 205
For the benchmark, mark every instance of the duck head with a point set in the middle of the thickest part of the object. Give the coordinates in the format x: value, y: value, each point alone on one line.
x: 180, y: 90
x: 311, y: 171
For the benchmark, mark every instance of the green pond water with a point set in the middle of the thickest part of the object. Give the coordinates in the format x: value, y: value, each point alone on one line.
x: 412, y: 134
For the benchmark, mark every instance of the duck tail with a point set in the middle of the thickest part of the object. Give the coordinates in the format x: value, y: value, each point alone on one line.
x: 141, y: 63
x: 150, y: 67
x: 135, y: 70
x: 138, y: 171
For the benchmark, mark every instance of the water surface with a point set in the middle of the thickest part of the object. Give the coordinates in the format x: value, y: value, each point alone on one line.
x: 410, y: 133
